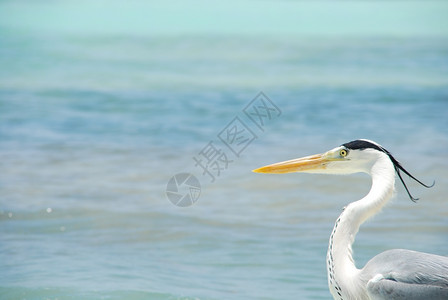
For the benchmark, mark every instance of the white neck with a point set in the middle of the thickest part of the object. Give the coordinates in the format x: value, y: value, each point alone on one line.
x: 342, y: 272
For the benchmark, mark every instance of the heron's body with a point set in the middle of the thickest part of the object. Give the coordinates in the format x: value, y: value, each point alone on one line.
x: 394, y: 274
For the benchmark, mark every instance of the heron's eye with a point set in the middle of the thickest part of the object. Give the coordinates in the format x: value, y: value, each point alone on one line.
x: 343, y: 152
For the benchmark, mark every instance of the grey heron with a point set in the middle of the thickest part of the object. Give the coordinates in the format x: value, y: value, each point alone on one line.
x: 393, y: 274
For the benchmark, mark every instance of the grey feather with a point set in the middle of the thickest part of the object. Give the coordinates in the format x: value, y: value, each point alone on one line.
x: 406, y: 274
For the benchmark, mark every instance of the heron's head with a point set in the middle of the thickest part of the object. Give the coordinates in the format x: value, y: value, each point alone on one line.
x: 353, y: 157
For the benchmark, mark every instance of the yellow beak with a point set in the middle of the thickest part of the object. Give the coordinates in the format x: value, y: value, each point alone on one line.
x: 312, y: 163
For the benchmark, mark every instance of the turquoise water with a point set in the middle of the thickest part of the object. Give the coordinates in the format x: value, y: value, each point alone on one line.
x: 93, y: 124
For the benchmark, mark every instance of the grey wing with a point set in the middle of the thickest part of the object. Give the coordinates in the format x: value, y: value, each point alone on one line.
x: 405, y: 274
x: 390, y: 289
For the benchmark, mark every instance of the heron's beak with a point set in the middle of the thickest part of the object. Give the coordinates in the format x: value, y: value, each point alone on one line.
x: 313, y: 163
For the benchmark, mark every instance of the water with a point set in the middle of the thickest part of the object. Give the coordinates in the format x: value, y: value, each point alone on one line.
x: 92, y: 127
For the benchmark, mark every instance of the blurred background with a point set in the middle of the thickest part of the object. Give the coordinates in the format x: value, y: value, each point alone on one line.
x: 102, y: 102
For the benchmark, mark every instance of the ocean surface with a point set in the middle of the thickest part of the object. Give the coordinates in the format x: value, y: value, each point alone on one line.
x: 94, y: 126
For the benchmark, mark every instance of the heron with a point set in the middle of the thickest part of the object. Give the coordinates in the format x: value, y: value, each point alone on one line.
x: 393, y: 274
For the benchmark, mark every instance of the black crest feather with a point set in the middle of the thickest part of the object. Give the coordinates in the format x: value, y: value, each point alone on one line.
x: 363, y: 144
